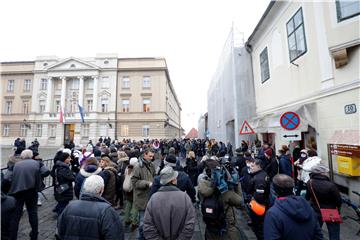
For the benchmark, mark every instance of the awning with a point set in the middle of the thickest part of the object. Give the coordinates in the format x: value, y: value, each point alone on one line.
x: 270, y: 123
x: 347, y: 137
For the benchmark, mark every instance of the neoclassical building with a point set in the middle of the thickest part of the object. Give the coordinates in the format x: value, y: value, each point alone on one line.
x: 121, y: 98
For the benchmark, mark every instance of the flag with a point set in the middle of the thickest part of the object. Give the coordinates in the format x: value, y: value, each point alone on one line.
x: 81, y: 111
x: 62, y: 118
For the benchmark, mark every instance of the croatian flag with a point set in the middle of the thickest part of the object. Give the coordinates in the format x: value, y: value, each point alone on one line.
x: 81, y: 111
x: 62, y: 117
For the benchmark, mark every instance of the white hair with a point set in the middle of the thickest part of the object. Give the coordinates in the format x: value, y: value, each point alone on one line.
x: 26, y: 154
x: 93, y: 184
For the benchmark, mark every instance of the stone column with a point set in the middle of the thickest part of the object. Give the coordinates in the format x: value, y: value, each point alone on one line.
x: 81, y: 91
x: 63, y: 91
x: 95, y: 92
x: 49, y: 99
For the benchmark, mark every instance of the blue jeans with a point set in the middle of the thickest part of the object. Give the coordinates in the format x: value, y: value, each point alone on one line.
x: 333, y: 229
x: 140, y: 233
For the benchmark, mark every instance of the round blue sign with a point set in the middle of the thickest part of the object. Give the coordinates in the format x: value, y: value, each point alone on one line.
x: 290, y: 120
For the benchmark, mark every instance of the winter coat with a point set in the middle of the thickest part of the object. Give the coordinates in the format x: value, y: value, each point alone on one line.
x: 326, y: 192
x: 28, y: 174
x: 169, y: 215
x: 183, y: 183
x: 91, y: 217
x: 85, y: 172
x: 260, y: 187
x: 245, y: 180
x: 109, y: 176
x: 143, y: 175
x: 285, y: 166
x: 270, y: 167
x: 306, y: 166
x: 291, y: 218
x: 63, y: 175
x: 8, y: 204
x: 192, y: 170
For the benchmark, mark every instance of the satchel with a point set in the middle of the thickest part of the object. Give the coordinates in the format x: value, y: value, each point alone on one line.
x: 61, y: 188
x: 330, y: 215
x: 127, y: 184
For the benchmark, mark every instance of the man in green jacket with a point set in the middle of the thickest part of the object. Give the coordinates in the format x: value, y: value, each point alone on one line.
x: 142, y: 180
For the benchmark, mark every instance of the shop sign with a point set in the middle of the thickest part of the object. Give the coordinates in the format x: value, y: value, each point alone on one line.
x: 345, y: 150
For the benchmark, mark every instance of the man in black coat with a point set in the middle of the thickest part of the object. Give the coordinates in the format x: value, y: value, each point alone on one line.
x: 91, y: 217
x: 8, y: 204
x: 25, y: 184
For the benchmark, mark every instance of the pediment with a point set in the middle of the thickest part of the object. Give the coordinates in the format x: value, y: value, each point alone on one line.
x: 72, y: 64
x: 104, y: 93
x: 42, y: 96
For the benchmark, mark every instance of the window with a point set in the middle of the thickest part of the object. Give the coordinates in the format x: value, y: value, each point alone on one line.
x: 85, y: 130
x: 38, y: 130
x: 347, y: 9
x: 124, y: 130
x: 105, y: 82
x: 43, y: 84
x: 6, y: 130
x: 125, y: 105
x: 146, y: 82
x: 90, y: 84
x: 57, y: 106
x: 42, y: 106
x: 146, y: 131
x: 26, y: 107
x: 89, y: 106
x: 146, y: 105
x: 74, y: 106
x: 75, y: 84
x: 126, y: 82
x: 103, y: 129
x: 104, y: 105
x: 27, y: 84
x: 264, y: 65
x: 296, y: 36
x: 52, y: 130
x: 8, y: 107
x: 10, y: 86
x: 23, y: 130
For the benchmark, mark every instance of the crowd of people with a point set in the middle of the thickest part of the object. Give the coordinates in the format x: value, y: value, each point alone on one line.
x: 159, y: 184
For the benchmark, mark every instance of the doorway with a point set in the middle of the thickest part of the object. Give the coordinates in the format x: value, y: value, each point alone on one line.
x: 69, y: 132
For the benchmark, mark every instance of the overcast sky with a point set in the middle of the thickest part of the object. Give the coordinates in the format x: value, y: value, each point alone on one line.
x: 190, y: 34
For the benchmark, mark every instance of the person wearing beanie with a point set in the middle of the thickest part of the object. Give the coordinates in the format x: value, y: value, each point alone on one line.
x: 63, y: 178
x: 327, y: 194
x: 269, y: 163
x: 169, y: 213
x: 291, y: 217
x: 90, y: 167
x: 183, y: 180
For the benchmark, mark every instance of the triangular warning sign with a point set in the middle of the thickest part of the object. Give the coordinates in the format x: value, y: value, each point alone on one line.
x: 246, y: 129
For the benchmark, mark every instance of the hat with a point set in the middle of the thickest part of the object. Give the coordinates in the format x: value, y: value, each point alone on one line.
x: 66, y: 150
x: 170, y: 160
x: 89, y: 148
x: 268, y: 152
x: 171, y: 150
x: 167, y: 175
x: 319, y: 168
x: 304, y: 151
x: 133, y: 161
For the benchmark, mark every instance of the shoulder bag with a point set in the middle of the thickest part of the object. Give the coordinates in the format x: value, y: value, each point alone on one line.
x: 330, y: 215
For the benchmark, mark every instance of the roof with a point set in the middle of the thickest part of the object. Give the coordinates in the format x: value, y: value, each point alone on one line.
x: 192, y: 134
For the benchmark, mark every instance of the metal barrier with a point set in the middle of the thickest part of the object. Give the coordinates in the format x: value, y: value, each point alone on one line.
x: 48, y: 180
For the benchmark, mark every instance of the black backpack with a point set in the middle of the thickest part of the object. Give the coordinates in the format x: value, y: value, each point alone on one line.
x: 213, y: 213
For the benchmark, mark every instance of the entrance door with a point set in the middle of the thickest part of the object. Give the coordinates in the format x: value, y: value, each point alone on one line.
x: 69, y: 132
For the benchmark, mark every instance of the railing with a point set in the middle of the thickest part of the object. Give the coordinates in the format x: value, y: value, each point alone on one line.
x: 48, y: 180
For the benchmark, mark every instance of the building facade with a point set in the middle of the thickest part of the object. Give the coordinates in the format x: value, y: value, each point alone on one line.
x: 120, y: 98
x: 305, y: 58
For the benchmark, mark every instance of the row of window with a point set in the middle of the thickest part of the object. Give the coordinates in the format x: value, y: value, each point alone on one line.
x: 74, y: 106
x: 75, y: 84
x: 85, y: 130
x: 296, y: 34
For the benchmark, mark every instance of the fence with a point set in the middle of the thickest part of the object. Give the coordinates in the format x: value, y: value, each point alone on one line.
x: 48, y: 180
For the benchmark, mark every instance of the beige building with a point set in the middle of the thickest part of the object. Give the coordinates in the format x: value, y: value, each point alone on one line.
x: 121, y: 98
x: 305, y: 58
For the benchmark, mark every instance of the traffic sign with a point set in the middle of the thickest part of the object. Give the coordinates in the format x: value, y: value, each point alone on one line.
x: 291, y: 135
x: 290, y: 120
x: 246, y: 129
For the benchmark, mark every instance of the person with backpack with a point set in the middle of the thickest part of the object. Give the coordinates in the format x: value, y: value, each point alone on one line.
x: 130, y: 213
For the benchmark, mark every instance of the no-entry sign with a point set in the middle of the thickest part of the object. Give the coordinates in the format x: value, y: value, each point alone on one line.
x: 290, y: 120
